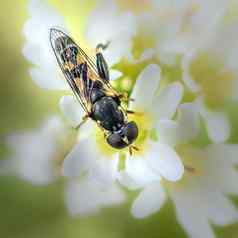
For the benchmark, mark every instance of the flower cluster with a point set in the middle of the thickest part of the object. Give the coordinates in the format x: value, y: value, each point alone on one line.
x: 179, y: 65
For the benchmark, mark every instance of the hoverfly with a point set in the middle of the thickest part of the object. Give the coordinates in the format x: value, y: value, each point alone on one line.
x: 91, y: 86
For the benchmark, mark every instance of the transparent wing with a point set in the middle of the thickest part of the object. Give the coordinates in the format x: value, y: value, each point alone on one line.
x: 80, y: 72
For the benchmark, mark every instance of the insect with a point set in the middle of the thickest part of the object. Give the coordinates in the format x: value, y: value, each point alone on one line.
x: 91, y: 86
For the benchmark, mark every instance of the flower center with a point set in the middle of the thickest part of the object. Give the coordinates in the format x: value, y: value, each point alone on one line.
x: 213, y: 78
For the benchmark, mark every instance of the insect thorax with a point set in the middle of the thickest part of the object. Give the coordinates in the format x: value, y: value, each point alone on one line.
x: 107, y: 112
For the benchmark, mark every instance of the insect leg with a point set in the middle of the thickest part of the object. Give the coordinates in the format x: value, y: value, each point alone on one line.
x: 130, y: 112
x: 101, y: 63
x: 84, y: 119
x: 134, y: 113
x: 125, y: 98
x: 131, y: 148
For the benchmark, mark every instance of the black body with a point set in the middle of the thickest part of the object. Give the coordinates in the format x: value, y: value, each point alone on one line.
x: 106, y: 111
x: 90, y: 84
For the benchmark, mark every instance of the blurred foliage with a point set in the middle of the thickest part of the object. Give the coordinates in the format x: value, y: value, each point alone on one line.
x: 31, y: 211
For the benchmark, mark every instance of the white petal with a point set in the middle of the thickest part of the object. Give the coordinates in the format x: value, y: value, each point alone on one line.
x: 206, y: 192
x: 219, y: 174
x: 223, y: 44
x: 72, y: 110
x: 149, y: 201
x: 218, y: 126
x: 81, y: 158
x: 119, y: 30
x: 82, y: 198
x: 167, y: 132
x: 184, y: 129
x: 165, y: 105
x: 191, y: 216
x: 188, y: 122
x: 48, y: 79
x: 127, y: 181
x: 53, y: 127
x: 188, y: 80
x: 86, y: 196
x: 224, y: 157
x: 35, y: 151
x: 105, y: 170
x: 164, y: 160
x: 117, y: 49
x: 145, y: 87
x: 37, y: 48
x: 221, y: 211
x: 115, y: 74
x: 137, y: 173
x: 114, y: 196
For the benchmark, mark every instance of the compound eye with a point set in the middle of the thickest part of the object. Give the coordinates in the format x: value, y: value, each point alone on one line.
x: 115, y: 140
x: 131, y: 131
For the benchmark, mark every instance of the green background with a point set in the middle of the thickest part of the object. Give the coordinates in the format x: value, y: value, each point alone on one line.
x: 32, y: 211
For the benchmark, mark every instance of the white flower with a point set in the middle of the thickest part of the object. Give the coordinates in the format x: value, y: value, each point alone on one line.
x: 192, y: 21
x: 91, y: 167
x: 185, y: 28
x: 37, y: 155
x: 34, y: 153
x: 120, y: 37
x: 45, y: 73
x: 151, y: 111
x: 92, y: 184
x: 201, y: 197
x: 137, y: 175
x: 217, y: 54
x: 94, y: 158
x: 37, y: 49
x: 87, y: 196
x: 177, y: 27
x: 217, y: 123
x: 211, y: 71
x: 107, y: 24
